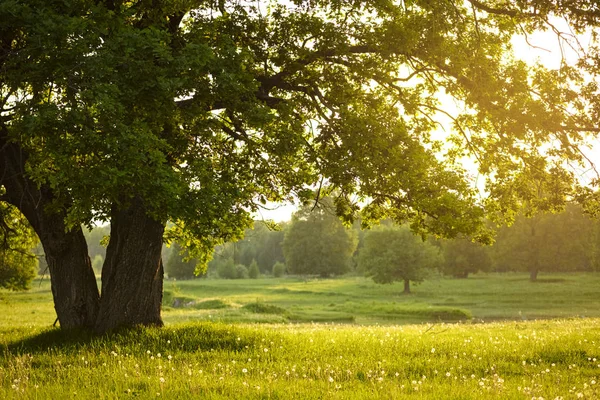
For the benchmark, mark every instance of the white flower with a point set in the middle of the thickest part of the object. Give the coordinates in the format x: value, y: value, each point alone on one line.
x: 244, y: 370
x: 330, y: 379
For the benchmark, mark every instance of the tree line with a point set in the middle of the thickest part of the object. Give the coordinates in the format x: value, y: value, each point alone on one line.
x: 316, y: 243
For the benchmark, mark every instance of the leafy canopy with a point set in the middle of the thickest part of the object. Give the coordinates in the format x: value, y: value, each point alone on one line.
x: 206, y: 109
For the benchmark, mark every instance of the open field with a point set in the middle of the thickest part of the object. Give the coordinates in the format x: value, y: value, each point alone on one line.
x: 486, y: 297
x: 510, y: 360
x: 370, y: 353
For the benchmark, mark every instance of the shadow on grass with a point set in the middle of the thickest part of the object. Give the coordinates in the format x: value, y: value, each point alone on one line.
x: 193, y: 337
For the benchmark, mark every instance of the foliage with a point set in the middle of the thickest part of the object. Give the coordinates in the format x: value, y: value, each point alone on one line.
x: 202, y: 111
x: 278, y: 269
x: 463, y: 257
x: 317, y: 243
x: 260, y: 243
x: 241, y: 271
x: 253, y: 271
x: 548, y: 242
x: 228, y: 92
x: 177, y: 266
x: 18, y: 265
x: 227, y: 270
x: 394, y: 253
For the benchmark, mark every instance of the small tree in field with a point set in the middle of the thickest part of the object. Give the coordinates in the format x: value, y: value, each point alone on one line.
x: 317, y: 243
x: 253, y: 271
x: 463, y: 257
x: 394, y: 253
x: 278, y: 269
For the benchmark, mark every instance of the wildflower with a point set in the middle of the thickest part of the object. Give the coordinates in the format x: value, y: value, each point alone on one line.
x: 244, y: 370
x: 433, y: 350
x: 330, y: 379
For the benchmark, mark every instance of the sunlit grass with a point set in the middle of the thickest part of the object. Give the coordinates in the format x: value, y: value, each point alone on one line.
x: 213, y: 347
x: 358, y: 300
x: 553, y: 359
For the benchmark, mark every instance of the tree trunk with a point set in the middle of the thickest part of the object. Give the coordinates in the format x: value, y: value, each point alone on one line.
x: 406, y: 286
x: 533, y: 275
x: 132, y: 274
x: 74, y: 289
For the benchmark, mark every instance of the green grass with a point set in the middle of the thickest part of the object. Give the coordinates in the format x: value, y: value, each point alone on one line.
x: 261, y: 339
x: 484, y: 297
x: 509, y: 360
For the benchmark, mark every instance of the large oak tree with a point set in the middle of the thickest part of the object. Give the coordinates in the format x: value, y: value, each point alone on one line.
x: 140, y: 112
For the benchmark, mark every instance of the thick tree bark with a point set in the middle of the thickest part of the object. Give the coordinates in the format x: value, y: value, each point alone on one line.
x: 132, y: 275
x: 74, y: 289
x: 406, y: 286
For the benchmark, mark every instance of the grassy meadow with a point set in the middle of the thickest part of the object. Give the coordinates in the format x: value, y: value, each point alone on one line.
x: 489, y: 336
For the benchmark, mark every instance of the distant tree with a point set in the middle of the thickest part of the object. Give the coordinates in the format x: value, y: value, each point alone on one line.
x: 463, y: 257
x: 270, y: 249
x: 18, y: 264
x: 278, y: 269
x: 226, y: 269
x: 177, y: 267
x: 317, y: 242
x: 547, y: 242
x: 394, y: 253
x: 241, y: 271
x: 253, y: 271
